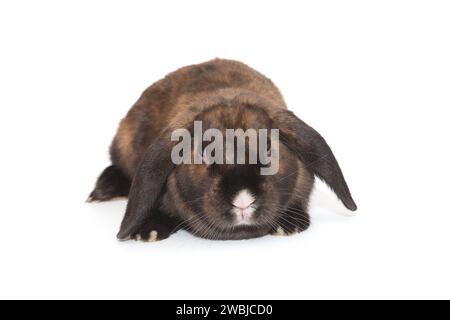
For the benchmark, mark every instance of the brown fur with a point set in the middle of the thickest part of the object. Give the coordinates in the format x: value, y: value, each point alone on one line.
x: 180, y: 97
x: 223, y: 94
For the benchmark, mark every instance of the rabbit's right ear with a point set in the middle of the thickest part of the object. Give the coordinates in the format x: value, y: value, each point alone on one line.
x: 147, y: 185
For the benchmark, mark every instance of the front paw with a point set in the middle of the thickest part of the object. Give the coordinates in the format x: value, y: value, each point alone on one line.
x: 291, y: 223
x: 282, y: 232
x: 153, y: 232
x: 151, y: 236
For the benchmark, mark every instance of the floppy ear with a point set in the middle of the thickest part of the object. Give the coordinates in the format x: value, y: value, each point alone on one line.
x: 147, y: 185
x: 315, y: 153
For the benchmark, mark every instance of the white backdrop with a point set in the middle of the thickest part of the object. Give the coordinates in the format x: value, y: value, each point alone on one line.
x: 373, y: 77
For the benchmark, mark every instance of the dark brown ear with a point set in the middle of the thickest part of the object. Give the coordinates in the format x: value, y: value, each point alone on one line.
x: 147, y: 185
x: 315, y: 153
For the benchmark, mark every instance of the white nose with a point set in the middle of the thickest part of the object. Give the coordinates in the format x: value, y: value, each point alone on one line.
x: 243, y: 200
x: 243, y: 208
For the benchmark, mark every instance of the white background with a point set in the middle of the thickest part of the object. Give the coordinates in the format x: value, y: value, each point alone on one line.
x: 373, y: 77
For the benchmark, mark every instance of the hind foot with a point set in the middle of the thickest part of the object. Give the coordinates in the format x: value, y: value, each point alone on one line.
x: 111, y: 184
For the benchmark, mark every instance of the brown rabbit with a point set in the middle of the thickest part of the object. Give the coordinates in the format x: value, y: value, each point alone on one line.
x: 214, y: 201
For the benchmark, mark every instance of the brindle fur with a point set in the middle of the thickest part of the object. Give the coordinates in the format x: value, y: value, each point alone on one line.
x: 165, y: 198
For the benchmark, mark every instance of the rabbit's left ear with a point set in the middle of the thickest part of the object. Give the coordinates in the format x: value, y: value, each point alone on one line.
x: 315, y: 153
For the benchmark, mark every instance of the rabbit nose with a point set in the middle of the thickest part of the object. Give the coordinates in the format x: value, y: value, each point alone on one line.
x: 243, y: 200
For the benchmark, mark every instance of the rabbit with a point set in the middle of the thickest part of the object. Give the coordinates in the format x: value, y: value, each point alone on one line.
x: 214, y: 201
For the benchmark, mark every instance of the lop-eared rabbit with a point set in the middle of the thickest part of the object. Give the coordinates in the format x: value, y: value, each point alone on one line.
x: 212, y: 200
